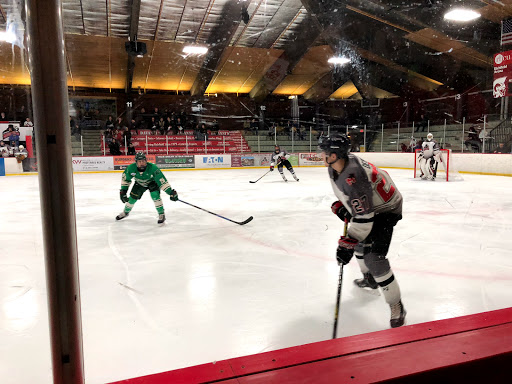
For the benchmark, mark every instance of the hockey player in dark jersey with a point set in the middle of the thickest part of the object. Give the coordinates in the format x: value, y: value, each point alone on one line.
x: 369, y: 200
x: 146, y: 176
x: 280, y: 157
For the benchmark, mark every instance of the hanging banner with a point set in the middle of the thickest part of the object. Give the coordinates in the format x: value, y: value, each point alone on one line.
x: 502, y: 74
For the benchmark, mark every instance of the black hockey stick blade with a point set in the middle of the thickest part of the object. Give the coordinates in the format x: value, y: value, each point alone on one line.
x: 245, y: 221
x: 259, y: 178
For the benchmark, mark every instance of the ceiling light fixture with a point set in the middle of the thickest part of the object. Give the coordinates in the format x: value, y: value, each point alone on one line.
x: 8, y: 36
x: 461, y: 14
x: 338, y: 60
x: 194, y: 50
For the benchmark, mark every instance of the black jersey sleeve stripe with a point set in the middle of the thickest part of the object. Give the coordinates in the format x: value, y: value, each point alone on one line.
x: 359, y: 220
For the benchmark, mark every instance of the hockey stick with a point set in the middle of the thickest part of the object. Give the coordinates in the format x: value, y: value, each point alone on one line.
x: 264, y: 174
x: 222, y: 217
x: 338, y: 297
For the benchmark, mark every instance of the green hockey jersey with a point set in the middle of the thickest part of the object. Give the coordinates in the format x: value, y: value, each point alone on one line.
x: 152, y: 173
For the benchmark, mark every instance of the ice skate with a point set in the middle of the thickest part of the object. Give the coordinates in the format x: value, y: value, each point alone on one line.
x: 295, y: 177
x: 122, y: 215
x: 366, y: 282
x: 284, y: 177
x: 161, y: 218
x: 398, y: 313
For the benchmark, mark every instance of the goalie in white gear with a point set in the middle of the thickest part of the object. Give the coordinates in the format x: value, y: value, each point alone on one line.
x: 429, y: 158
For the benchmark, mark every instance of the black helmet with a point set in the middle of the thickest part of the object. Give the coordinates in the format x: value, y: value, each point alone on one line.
x: 337, y: 143
x: 140, y: 156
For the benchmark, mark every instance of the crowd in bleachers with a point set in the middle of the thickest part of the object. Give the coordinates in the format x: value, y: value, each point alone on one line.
x: 10, y: 141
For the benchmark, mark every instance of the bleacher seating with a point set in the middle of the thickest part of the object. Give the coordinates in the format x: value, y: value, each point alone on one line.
x: 224, y: 142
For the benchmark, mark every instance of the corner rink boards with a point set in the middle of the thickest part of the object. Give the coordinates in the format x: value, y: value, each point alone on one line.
x: 199, y: 288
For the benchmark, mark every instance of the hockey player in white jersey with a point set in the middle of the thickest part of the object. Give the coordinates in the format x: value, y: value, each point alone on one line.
x: 371, y: 203
x: 280, y: 157
x: 429, y: 158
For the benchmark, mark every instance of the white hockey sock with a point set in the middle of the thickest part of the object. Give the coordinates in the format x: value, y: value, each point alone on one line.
x: 362, y: 265
x: 391, y: 290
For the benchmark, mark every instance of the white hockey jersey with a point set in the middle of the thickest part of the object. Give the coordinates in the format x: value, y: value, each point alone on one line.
x: 276, y: 158
x: 430, y: 148
x: 365, y: 191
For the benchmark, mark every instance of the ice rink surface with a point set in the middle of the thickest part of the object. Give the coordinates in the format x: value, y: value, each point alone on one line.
x: 200, y: 289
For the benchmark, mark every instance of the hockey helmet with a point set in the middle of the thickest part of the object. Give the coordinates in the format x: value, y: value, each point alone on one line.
x: 430, y: 136
x: 140, y: 156
x: 21, y: 147
x: 277, y: 149
x: 337, y: 143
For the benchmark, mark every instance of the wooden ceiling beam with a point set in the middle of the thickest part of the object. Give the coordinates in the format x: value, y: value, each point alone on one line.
x: 309, y: 31
x: 218, y: 41
x: 134, y: 29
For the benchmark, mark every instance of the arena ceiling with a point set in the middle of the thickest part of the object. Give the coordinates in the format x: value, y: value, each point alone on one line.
x: 263, y: 47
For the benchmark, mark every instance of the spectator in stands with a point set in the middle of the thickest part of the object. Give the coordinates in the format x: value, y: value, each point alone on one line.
x: 110, y: 123
x: 161, y: 126
x: 215, y: 126
x: 180, y: 129
x: 254, y: 126
x: 156, y: 114
x: 501, y: 149
x: 134, y: 125
x: 4, y: 149
x: 115, y: 149
x: 153, y: 125
x: 423, y: 123
x: 28, y: 122
x: 169, y: 126
x: 412, y: 144
x: 120, y: 123
x: 3, y: 117
x: 473, y: 141
x: 141, y: 119
x: 404, y: 148
x: 131, y: 150
x: 419, y: 144
x: 21, y: 115
x: 127, y: 135
x: 13, y: 135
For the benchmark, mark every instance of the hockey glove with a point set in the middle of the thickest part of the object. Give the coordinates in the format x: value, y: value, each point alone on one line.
x: 339, y: 210
x: 173, y: 195
x: 271, y: 168
x: 123, y: 196
x: 345, y: 250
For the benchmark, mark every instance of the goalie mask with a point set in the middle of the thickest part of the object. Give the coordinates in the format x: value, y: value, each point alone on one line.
x: 430, y: 137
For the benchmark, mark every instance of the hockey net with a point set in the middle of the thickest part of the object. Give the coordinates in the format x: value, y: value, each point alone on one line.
x: 446, y: 169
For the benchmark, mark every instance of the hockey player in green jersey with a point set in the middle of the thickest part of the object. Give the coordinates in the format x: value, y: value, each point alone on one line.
x: 146, y: 176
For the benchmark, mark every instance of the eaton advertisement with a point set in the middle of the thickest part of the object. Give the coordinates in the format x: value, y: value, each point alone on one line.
x: 213, y: 161
x: 171, y: 161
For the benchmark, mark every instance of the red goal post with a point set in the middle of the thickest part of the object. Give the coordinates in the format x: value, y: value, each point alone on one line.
x: 446, y: 166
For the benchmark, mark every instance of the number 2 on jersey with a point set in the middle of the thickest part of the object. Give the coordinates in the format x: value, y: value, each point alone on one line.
x: 381, y: 190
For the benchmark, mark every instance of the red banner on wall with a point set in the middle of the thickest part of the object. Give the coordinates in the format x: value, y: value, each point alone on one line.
x: 502, y: 74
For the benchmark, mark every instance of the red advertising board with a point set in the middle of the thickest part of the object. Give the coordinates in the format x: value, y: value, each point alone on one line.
x: 502, y: 74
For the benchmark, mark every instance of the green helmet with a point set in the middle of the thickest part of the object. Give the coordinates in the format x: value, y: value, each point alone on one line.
x: 140, y: 156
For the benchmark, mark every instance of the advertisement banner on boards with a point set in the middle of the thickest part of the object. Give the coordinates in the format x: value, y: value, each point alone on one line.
x: 93, y: 163
x: 213, y: 161
x: 173, y: 161
x: 122, y: 162
x: 310, y: 159
x: 2, y: 167
x: 294, y: 159
x: 236, y: 160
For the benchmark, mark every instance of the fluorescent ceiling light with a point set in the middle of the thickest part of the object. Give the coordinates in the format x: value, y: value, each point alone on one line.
x: 195, y: 50
x: 461, y: 14
x: 8, y: 36
x: 338, y: 60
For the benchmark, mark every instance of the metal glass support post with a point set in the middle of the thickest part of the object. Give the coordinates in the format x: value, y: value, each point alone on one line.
x: 259, y: 143
x: 167, y: 143
x: 364, y: 138
x: 45, y: 43
x: 275, y: 135
x: 224, y: 143
x: 147, y: 147
x: 125, y: 147
x: 485, y: 134
x: 186, y: 143
x: 444, y: 133
x: 382, y: 141
x: 428, y: 126
x: 462, y: 140
x: 82, y: 143
x: 412, y: 135
x: 104, y: 145
x: 398, y: 137
x: 310, y: 139
x: 205, y: 149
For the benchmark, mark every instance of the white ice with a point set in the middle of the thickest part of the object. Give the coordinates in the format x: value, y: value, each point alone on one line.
x: 200, y: 289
